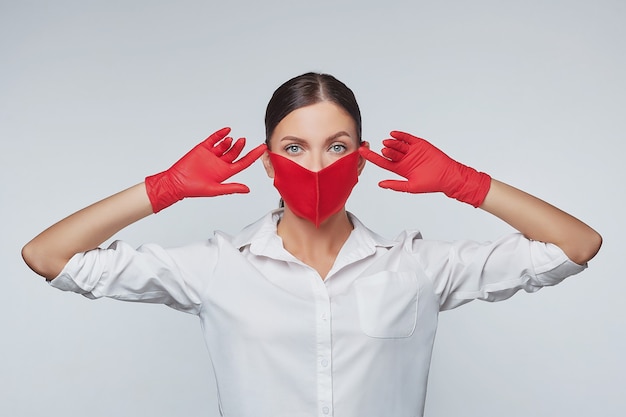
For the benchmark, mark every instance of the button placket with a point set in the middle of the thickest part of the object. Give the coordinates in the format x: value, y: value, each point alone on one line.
x: 324, y: 356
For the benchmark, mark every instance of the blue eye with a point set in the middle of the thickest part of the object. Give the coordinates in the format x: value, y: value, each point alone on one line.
x: 338, y: 148
x: 293, y: 148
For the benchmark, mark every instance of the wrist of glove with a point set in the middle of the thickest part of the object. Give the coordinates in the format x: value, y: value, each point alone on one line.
x: 467, y: 185
x: 163, y: 190
x: 427, y: 169
x: 201, y: 171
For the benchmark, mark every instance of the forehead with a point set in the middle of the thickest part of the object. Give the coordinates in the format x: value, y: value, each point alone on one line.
x: 317, y: 121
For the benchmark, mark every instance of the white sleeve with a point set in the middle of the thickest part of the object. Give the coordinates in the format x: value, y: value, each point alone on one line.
x: 463, y: 271
x: 151, y: 274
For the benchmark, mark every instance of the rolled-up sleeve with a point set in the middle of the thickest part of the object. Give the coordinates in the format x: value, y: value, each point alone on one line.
x: 463, y: 271
x: 151, y: 274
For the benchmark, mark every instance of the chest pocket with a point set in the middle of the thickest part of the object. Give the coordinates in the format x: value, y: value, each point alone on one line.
x: 387, y: 304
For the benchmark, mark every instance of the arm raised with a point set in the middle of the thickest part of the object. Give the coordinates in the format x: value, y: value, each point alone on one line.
x: 199, y: 173
x: 49, y: 251
x: 427, y: 169
x: 538, y: 220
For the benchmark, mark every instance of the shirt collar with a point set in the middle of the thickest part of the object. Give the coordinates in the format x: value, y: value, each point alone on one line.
x: 258, y: 234
x: 263, y: 240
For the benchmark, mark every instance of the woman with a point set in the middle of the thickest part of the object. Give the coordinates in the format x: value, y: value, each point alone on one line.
x: 307, y: 312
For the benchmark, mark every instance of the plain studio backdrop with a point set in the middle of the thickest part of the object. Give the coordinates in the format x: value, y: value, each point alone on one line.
x: 95, y: 95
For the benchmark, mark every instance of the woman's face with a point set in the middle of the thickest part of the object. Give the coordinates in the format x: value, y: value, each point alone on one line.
x: 314, y: 136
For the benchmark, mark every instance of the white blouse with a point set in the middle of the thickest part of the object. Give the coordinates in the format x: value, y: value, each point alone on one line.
x: 284, y: 342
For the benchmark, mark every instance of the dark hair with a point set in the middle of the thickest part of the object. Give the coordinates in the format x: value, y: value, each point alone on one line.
x: 305, y: 90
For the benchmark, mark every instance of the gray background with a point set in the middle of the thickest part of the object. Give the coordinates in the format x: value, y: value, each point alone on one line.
x: 95, y: 95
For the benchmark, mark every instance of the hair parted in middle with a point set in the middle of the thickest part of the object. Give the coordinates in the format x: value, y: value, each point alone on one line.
x: 305, y: 90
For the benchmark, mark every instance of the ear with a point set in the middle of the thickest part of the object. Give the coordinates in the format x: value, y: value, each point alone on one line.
x: 267, y: 164
x: 361, y: 165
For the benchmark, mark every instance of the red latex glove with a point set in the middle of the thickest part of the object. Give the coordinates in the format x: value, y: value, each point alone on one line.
x: 201, y: 171
x: 428, y: 170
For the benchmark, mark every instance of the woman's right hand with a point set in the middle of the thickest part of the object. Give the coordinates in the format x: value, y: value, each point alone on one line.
x: 201, y: 172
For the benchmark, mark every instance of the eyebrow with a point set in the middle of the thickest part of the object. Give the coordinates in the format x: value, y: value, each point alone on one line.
x: 328, y: 139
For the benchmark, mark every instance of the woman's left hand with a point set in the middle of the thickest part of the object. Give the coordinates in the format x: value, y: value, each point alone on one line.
x: 427, y: 169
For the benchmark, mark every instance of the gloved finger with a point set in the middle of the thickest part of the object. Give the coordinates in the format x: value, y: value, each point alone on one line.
x: 222, y: 146
x: 393, y: 154
x: 249, y: 158
x: 375, y: 158
x: 406, y: 137
x: 417, y: 143
x: 396, y: 185
x: 231, y: 154
x: 233, y: 188
x: 398, y: 145
x: 215, y: 137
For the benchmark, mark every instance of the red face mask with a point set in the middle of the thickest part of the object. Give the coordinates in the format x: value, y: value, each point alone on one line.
x: 315, y: 196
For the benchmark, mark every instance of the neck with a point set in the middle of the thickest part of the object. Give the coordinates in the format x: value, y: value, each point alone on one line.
x: 316, y: 247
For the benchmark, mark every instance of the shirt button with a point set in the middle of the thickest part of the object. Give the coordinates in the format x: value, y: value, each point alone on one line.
x: 323, y: 316
x: 324, y: 363
x: 325, y: 410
